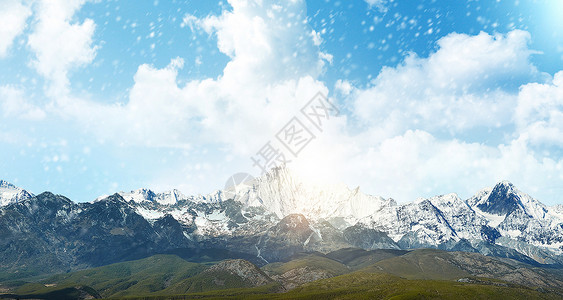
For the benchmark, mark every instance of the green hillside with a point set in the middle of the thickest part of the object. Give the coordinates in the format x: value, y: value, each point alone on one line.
x: 390, y: 274
x: 360, y: 285
x: 311, y: 261
x: 420, y: 264
x: 128, y: 278
x: 227, y: 274
x: 54, y: 293
x: 356, y: 258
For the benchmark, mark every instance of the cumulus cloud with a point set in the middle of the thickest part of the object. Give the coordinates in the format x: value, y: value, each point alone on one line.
x: 157, y: 113
x: 395, y: 150
x: 381, y: 5
x: 418, y: 164
x: 267, y: 41
x: 271, y: 74
x: 539, y: 114
x: 13, y: 105
x: 470, y: 81
x: 59, y: 44
x: 398, y: 149
x: 13, y: 16
x: 392, y: 144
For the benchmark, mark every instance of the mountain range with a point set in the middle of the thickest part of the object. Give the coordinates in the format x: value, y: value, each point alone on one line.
x: 269, y: 219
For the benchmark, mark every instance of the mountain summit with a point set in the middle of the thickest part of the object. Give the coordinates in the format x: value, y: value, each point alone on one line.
x: 10, y: 193
x: 142, y: 195
x: 502, y: 200
x: 282, y: 192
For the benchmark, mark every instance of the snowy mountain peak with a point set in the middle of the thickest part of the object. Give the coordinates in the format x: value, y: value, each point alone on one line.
x: 138, y: 196
x: 294, y: 210
x: 390, y: 203
x: 10, y: 193
x: 170, y: 197
x: 5, y: 184
x: 282, y: 192
x: 503, y: 199
x: 146, y: 195
x: 447, y: 199
x: 558, y: 208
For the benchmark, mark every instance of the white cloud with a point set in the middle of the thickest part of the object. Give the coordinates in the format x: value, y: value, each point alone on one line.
x: 381, y: 5
x: 59, y: 44
x: 160, y: 113
x: 190, y: 21
x: 317, y: 39
x: 470, y: 81
x: 398, y: 149
x: 267, y: 41
x: 539, y: 114
x: 275, y: 62
x: 13, y: 105
x: 157, y: 113
x: 417, y: 164
x: 343, y: 87
x: 13, y: 14
x: 271, y: 75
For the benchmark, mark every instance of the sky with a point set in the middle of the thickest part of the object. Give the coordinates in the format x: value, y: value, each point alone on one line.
x: 405, y: 99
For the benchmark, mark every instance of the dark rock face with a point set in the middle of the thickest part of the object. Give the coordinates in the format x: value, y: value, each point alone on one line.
x: 489, y: 234
x: 52, y: 233
x: 502, y: 200
x: 34, y: 233
x: 171, y: 232
x: 286, y: 238
x: 109, y: 231
x: 367, y: 238
x: 463, y: 245
x: 234, y: 212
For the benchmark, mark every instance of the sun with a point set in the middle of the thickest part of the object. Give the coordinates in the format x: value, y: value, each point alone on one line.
x: 553, y: 13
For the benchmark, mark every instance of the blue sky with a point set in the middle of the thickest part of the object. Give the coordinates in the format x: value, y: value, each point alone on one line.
x: 434, y: 96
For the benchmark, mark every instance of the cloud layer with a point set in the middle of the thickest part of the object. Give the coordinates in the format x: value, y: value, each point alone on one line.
x: 473, y: 112
x: 60, y: 44
x: 13, y: 16
x: 539, y: 113
x: 470, y: 81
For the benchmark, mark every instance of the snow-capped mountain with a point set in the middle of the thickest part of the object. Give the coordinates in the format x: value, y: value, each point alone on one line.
x: 283, y: 193
x: 520, y: 218
x: 500, y: 216
x: 279, y: 193
x: 10, y: 193
x: 146, y: 195
x: 274, y: 216
x: 165, y: 198
x: 492, y: 220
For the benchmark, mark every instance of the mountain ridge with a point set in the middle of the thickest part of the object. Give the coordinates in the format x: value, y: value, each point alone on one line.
x: 255, y: 221
x: 10, y: 193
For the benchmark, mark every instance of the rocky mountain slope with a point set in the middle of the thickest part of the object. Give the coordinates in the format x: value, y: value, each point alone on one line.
x: 267, y: 220
x: 10, y: 193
